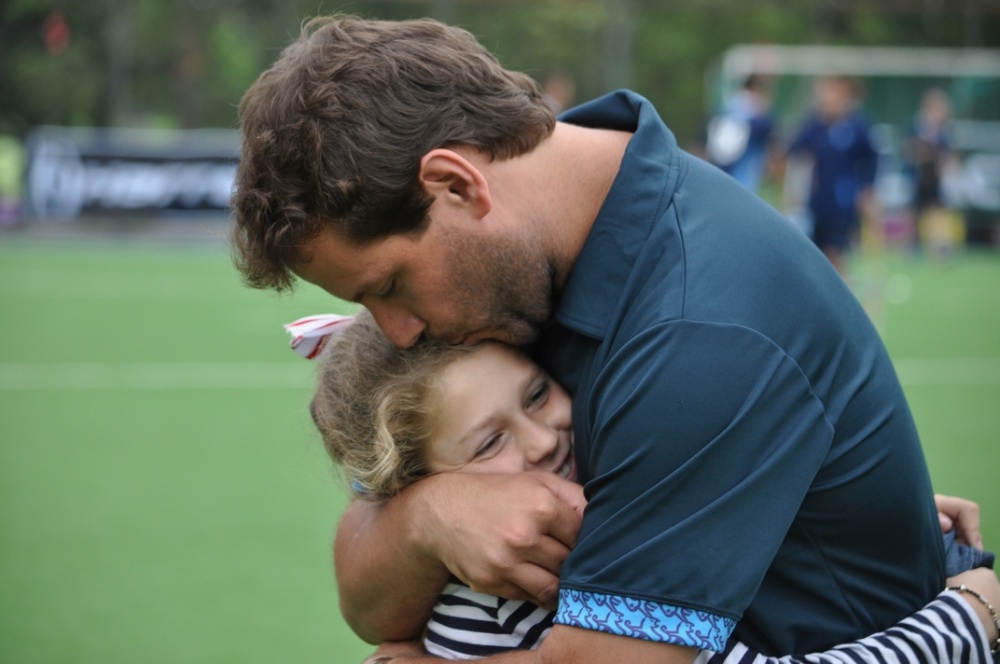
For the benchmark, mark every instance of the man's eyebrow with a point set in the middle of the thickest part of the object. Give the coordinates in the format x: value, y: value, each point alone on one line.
x: 362, y: 290
x: 379, y: 285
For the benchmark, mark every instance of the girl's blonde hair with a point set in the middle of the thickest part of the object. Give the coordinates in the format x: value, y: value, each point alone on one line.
x: 372, y: 406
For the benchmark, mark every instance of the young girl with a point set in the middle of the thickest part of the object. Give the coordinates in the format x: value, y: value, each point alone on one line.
x: 389, y: 417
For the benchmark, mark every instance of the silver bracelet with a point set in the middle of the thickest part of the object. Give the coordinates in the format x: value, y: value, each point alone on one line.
x: 989, y: 607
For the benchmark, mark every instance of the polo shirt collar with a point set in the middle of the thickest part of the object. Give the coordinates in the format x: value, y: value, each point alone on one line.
x: 640, y: 192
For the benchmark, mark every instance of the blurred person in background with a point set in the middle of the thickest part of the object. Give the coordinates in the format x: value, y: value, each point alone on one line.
x: 740, y: 137
x: 837, y: 140
x: 928, y: 151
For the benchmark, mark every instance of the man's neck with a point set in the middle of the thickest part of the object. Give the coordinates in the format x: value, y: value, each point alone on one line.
x: 566, y: 179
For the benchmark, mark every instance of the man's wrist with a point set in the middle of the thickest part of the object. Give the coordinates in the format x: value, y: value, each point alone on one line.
x: 419, y: 508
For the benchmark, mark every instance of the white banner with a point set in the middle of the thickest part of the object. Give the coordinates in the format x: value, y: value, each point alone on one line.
x: 73, y: 171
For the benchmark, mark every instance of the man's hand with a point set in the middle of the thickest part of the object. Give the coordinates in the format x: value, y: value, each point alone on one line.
x: 504, y: 534
x: 963, y: 516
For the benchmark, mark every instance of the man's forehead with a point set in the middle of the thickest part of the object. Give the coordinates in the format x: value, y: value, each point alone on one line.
x: 336, y: 264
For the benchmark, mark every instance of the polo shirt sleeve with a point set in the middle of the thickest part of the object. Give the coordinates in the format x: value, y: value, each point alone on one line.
x: 704, y: 439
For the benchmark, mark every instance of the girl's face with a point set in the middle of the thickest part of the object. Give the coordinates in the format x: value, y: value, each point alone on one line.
x: 498, y: 412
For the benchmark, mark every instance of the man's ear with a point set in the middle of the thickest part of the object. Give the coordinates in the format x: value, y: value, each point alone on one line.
x: 451, y: 178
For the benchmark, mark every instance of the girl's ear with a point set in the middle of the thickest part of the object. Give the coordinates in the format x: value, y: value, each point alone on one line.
x: 451, y: 178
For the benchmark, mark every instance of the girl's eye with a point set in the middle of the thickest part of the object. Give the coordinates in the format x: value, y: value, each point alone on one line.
x: 540, y: 394
x: 490, y: 447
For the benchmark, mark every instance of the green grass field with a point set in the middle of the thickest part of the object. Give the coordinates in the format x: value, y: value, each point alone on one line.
x: 162, y: 495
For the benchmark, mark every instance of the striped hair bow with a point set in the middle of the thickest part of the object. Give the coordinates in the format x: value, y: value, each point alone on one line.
x: 311, y: 333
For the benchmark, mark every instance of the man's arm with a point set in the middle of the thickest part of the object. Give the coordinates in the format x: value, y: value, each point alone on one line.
x: 909, y: 641
x: 371, y: 539
x: 502, y: 534
x: 571, y: 645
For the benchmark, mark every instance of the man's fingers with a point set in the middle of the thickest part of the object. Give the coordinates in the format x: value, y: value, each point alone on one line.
x: 514, y: 532
x: 568, y: 492
x: 535, y: 584
x: 548, y: 554
x: 563, y: 523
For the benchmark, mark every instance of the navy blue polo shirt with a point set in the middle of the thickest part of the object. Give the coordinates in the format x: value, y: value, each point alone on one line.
x: 748, y: 455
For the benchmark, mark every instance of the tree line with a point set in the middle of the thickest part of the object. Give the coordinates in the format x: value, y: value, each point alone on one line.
x: 185, y: 63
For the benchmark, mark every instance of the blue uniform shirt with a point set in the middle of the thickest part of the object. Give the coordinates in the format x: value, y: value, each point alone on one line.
x: 844, y: 163
x: 747, y: 451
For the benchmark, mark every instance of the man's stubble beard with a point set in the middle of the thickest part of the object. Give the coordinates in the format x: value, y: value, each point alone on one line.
x: 508, y: 287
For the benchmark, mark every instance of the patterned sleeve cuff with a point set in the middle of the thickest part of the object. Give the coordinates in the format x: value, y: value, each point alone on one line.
x: 642, y: 619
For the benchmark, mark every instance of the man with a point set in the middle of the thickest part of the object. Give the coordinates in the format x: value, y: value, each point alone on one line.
x: 748, y: 453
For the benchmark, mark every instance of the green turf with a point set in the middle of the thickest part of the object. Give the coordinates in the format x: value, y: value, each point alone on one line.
x: 941, y: 324
x: 156, y: 516
x: 163, y: 499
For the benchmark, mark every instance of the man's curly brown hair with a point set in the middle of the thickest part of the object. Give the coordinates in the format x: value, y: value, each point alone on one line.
x: 334, y: 131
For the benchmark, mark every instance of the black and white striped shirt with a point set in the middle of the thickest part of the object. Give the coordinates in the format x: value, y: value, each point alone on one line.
x: 469, y: 625
x: 466, y: 624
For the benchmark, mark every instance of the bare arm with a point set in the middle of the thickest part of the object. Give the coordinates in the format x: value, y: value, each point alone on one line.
x: 955, y: 510
x: 502, y: 534
x: 571, y: 645
x: 577, y: 645
x: 371, y: 539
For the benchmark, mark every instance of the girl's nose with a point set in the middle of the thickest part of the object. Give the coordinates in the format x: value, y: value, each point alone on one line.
x: 540, y: 443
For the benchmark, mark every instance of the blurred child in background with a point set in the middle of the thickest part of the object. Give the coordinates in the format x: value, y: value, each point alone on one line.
x: 740, y: 137
x: 837, y: 139
x: 928, y: 151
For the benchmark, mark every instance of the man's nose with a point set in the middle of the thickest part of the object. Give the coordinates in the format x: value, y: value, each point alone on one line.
x: 402, y: 328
